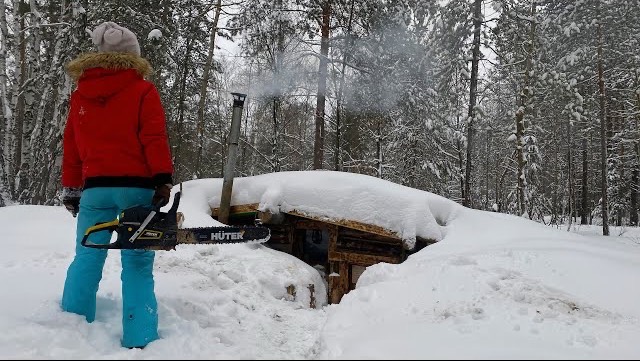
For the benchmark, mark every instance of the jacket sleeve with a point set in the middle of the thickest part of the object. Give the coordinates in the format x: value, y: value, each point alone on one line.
x: 154, y: 138
x: 71, y: 162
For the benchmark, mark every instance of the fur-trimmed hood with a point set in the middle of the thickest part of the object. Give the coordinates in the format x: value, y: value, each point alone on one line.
x: 110, y: 61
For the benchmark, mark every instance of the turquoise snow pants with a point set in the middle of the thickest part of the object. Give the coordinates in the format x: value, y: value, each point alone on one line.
x: 139, y: 306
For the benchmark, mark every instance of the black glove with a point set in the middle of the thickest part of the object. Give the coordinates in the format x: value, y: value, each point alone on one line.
x: 161, y: 197
x: 71, y: 199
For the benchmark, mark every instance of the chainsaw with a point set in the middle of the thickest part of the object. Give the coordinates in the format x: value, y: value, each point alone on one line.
x: 146, y: 227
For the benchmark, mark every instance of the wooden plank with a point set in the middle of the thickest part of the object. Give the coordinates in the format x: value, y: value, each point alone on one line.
x: 345, y: 276
x: 362, y: 259
x: 332, y: 281
x: 296, y: 244
x: 319, y: 222
x: 240, y: 208
x: 333, y: 238
x: 332, y: 287
x: 312, y: 296
x: 364, y: 245
x: 370, y: 228
x: 338, y: 281
x: 356, y: 272
x: 311, y: 224
x: 271, y: 218
x: 369, y: 237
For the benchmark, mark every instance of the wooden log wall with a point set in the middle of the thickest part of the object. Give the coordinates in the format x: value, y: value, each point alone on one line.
x: 352, y: 246
x: 351, y: 251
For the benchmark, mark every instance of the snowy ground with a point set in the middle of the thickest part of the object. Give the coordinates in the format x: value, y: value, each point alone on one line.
x: 223, y: 302
x: 521, y: 291
x: 624, y: 233
x: 495, y: 287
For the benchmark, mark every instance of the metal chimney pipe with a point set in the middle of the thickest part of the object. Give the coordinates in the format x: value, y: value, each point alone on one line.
x: 234, y: 135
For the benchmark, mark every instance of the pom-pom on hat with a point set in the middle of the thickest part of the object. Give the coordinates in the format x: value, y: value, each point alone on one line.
x: 111, y: 37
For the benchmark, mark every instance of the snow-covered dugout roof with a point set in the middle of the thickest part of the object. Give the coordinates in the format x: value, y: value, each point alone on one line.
x: 323, y: 194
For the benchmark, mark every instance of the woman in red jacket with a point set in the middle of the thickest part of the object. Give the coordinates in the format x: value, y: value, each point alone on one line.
x: 115, y: 155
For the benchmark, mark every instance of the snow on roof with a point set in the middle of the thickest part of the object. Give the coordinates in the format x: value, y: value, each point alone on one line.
x: 408, y: 212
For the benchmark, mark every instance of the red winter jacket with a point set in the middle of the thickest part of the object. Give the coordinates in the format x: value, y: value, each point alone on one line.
x: 115, y: 134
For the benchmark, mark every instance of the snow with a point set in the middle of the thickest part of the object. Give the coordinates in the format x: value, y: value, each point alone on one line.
x: 154, y: 34
x: 406, y: 211
x: 522, y: 291
x: 494, y: 286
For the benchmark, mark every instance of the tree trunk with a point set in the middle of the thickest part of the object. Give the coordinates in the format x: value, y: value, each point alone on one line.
x: 181, y: 110
x: 603, y: 140
x: 17, y: 130
x: 348, y: 43
x: 621, y: 187
x: 633, y: 193
x: 277, y: 88
x: 635, y: 174
x: 318, y: 145
x: 460, y: 167
x: 379, y: 148
x: 5, y: 110
x: 570, y: 201
x: 520, y: 128
x: 486, y: 170
x: 276, y: 135
x: 206, y: 71
x: 33, y: 152
x: 584, y: 209
x: 477, y: 23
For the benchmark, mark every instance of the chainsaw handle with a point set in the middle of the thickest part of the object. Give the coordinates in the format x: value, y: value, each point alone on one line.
x: 125, y: 230
x: 105, y: 226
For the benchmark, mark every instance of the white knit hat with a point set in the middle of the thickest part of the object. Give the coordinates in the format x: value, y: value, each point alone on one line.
x: 111, y: 37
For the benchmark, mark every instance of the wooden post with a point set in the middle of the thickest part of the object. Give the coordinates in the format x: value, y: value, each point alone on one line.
x: 291, y: 291
x: 338, y: 281
x: 333, y: 283
x: 234, y: 135
x: 312, y: 296
x: 268, y: 217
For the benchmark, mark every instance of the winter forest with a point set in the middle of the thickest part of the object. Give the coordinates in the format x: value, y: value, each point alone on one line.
x: 527, y: 107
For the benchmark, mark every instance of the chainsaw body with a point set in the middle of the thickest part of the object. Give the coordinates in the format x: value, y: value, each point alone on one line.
x: 146, y: 227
